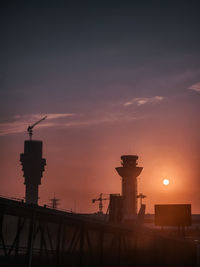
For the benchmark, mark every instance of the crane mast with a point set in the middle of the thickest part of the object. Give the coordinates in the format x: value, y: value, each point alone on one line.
x: 100, y: 199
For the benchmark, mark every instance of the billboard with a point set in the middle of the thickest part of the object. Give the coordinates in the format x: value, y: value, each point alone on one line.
x: 173, y: 215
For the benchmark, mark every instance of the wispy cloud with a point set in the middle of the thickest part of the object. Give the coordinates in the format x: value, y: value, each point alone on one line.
x: 19, y: 123
x: 139, y: 101
x: 39, y: 116
x: 106, y: 119
x: 108, y: 115
x: 195, y: 87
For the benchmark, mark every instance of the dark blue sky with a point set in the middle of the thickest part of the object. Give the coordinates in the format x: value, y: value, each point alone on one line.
x: 77, y: 52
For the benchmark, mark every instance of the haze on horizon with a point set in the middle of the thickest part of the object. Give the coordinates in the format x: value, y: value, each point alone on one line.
x: 113, y: 79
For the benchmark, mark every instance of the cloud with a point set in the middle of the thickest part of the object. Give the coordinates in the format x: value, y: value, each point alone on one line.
x: 107, y: 119
x: 139, y: 101
x: 19, y: 123
x: 195, y: 87
x: 108, y: 115
x: 39, y: 116
x: 59, y: 115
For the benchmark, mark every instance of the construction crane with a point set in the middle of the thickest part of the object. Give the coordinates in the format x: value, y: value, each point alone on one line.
x: 30, y: 128
x: 141, y: 197
x: 100, y: 199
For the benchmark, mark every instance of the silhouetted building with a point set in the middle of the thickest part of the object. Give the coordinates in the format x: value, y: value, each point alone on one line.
x: 33, y: 167
x: 129, y: 173
x: 141, y: 214
x: 115, y: 208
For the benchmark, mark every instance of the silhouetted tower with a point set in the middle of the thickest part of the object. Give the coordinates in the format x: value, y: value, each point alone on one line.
x: 32, y: 166
x: 129, y: 173
x: 54, y: 202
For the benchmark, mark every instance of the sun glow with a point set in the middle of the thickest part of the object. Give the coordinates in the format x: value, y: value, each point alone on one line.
x: 165, y: 181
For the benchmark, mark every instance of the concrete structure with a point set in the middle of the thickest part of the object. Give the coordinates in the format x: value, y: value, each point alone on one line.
x: 33, y: 167
x: 115, y: 208
x: 129, y: 173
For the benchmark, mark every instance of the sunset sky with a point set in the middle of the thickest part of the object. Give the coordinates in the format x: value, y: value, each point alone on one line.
x: 113, y: 78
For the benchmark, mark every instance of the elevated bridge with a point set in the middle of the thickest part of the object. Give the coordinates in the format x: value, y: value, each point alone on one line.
x: 32, y: 235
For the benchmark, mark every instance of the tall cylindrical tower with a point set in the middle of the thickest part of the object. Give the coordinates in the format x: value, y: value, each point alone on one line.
x: 129, y: 173
x: 33, y: 167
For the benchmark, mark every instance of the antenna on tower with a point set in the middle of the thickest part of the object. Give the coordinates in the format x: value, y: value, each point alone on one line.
x: 30, y: 128
x: 54, y: 202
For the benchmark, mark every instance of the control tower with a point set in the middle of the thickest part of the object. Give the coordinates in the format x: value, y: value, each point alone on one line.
x: 33, y: 167
x: 129, y: 173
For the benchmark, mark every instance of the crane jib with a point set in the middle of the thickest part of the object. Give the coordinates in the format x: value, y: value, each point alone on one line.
x: 30, y: 128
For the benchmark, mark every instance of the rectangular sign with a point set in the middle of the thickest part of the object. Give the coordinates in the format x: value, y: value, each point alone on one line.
x: 173, y: 215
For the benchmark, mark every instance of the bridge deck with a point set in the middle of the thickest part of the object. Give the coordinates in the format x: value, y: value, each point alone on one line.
x: 31, y: 235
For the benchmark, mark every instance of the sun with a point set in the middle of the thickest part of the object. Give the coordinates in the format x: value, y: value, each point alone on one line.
x: 165, y: 181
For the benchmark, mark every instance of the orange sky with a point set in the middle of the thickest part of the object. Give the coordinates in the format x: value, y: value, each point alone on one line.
x: 81, y: 162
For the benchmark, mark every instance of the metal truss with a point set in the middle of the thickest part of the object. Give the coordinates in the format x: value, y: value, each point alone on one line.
x: 37, y: 236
